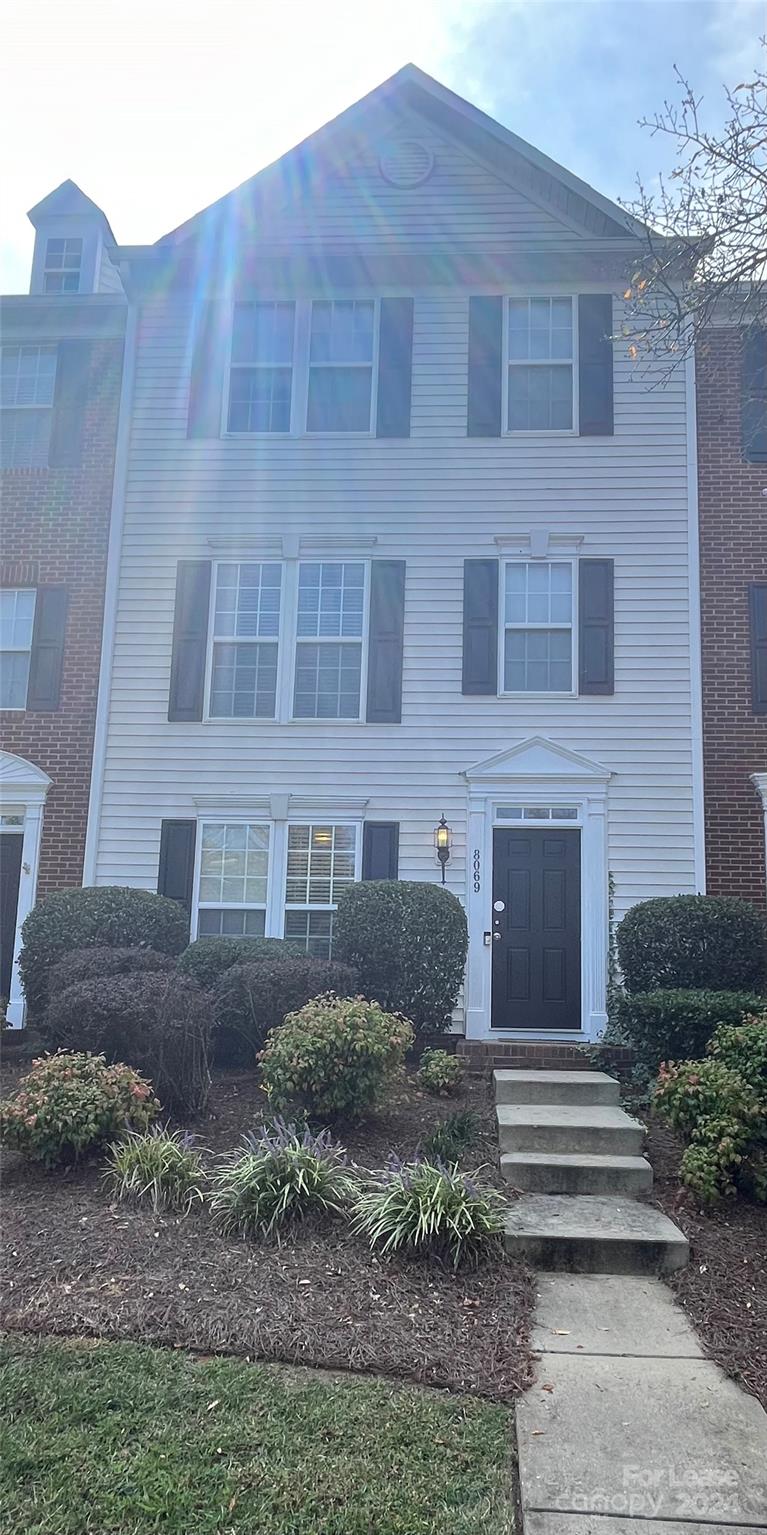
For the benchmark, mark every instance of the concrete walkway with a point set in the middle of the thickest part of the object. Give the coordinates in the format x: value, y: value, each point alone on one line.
x: 628, y: 1430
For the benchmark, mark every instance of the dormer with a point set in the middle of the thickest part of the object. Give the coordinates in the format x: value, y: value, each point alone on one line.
x: 72, y: 237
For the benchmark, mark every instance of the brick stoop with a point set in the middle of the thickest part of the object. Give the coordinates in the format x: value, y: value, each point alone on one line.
x: 484, y: 1055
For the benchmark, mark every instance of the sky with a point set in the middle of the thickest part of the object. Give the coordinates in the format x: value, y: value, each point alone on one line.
x: 157, y: 107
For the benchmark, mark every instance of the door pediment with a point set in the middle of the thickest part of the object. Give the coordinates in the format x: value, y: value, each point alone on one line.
x: 536, y: 758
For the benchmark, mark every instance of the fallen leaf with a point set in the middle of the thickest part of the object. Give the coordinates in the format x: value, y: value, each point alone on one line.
x: 547, y: 1386
x: 561, y: 1332
x: 213, y: 1404
x: 536, y: 1432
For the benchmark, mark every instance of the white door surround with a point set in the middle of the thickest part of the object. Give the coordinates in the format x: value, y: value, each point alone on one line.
x: 23, y: 788
x: 538, y: 773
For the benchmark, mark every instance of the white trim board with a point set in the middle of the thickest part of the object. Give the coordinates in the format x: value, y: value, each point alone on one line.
x: 23, y: 788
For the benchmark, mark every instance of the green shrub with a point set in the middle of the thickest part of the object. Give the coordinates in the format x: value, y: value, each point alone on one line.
x: 107, y: 916
x: 96, y: 964
x: 743, y: 1047
x: 205, y: 960
x: 696, y: 941
x: 676, y: 1025
x: 161, y: 1024
x: 250, y: 999
x: 722, y: 1118
x: 285, y: 1173
x: 334, y: 1056
x: 156, y: 1165
x: 440, y: 1073
x: 432, y: 1210
x: 408, y: 943
x: 69, y: 1104
x: 451, y: 1138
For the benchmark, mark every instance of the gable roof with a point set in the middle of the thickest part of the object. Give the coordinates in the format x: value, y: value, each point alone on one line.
x: 510, y: 156
x: 66, y: 201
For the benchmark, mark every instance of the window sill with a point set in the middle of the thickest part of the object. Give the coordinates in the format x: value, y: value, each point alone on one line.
x: 537, y: 697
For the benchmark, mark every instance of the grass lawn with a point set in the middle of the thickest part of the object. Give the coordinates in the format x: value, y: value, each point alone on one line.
x: 123, y: 1439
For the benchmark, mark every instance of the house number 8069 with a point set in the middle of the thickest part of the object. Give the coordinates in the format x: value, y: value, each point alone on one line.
x: 477, y: 881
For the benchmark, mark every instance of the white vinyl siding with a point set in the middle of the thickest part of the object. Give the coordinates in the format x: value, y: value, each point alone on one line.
x: 17, y: 619
x: 27, y: 386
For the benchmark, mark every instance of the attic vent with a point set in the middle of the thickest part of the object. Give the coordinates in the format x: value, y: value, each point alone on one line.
x: 406, y: 163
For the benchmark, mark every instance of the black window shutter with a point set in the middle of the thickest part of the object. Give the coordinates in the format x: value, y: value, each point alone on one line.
x: 47, y: 658
x: 387, y: 624
x: 595, y: 365
x: 206, y: 383
x: 757, y: 602
x: 175, y: 875
x: 485, y: 368
x: 595, y: 627
x: 395, y: 367
x: 753, y: 398
x: 65, y: 446
x: 190, y: 639
x: 480, y: 626
x: 380, y: 850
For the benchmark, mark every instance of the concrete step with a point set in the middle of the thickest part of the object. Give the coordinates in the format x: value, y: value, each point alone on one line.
x: 568, y: 1087
x: 546, y: 1172
x: 593, y: 1234
x: 598, y: 1130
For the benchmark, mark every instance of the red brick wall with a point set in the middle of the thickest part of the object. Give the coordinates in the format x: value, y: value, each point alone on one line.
x: 733, y: 548
x: 55, y: 529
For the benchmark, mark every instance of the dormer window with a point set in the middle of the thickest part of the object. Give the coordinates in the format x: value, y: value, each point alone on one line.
x: 63, y: 264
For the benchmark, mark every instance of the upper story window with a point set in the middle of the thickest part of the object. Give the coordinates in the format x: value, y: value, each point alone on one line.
x: 538, y: 627
x: 246, y: 631
x: 27, y: 385
x: 63, y: 264
x: 329, y: 634
x: 261, y: 380
x: 341, y: 352
x: 17, y: 617
x: 540, y: 365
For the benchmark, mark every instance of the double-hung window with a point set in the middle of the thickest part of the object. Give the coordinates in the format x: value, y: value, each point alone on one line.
x: 246, y: 631
x: 261, y: 376
x: 17, y: 617
x: 27, y: 385
x: 329, y: 640
x: 540, y: 365
x: 233, y: 879
x: 63, y: 263
x: 341, y: 352
x: 321, y: 862
x: 538, y: 649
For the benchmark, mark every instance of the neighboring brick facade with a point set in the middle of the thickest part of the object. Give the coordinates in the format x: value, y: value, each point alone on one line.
x: 55, y: 530
x: 733, y: 549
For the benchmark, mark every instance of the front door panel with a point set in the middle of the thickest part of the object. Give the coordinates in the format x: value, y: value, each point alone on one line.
x: 11, y: 844
x: 537, y: 930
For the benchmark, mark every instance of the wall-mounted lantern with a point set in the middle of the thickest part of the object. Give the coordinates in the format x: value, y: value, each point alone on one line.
x: 442, y: 843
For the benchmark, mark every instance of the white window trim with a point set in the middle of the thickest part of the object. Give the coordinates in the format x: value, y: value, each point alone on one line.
x: 287, y: 641
x: 554, y: 431
x: 299, y: 399
x: 551, y: 559
x: 21, y: 650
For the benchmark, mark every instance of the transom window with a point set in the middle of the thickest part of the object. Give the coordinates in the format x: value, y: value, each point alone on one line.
x: 540, y: 364
x: 537, y: 813
x: 341, y: 348
x: 234, y: 875
x: 63, y: 262
x: 261, y: 381
x: 321, y: 862
x: 246, y: 628
x: 330, y: 623
x: 538, y: 627
x: 27, y: 386
x: 17, y: 618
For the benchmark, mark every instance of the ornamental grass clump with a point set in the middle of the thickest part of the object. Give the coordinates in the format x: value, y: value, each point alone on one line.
x: 284, y: 1173
x: 160, y: 1166
x: 452, y: 1137
x: 440, y: 1073
x: 431, y: 1210
x: 334, y: 1056
x: 70, y: 1104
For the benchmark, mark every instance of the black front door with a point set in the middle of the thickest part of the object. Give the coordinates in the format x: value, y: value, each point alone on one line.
x: 536, y: 929
x: 10, y: 869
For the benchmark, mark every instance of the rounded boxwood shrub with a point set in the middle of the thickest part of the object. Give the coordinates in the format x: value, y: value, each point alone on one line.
x: 205, y: 960
x: 697, y: 941
x: 676, y: 1025
x: 161, y: 1024
x: 96, y: 964
x: 251, y: 999
x: 111, y: 916
x: 69, y: 1104
x: 334, y: 1056
x: 408, y: 942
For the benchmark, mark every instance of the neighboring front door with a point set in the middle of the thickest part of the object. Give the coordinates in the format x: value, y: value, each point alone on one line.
x: 11, y: 844
x: 536, y: 929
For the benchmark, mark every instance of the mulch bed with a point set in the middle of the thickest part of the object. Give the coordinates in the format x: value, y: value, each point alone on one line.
x: 74, y: 1264
x: 724, y: 1287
